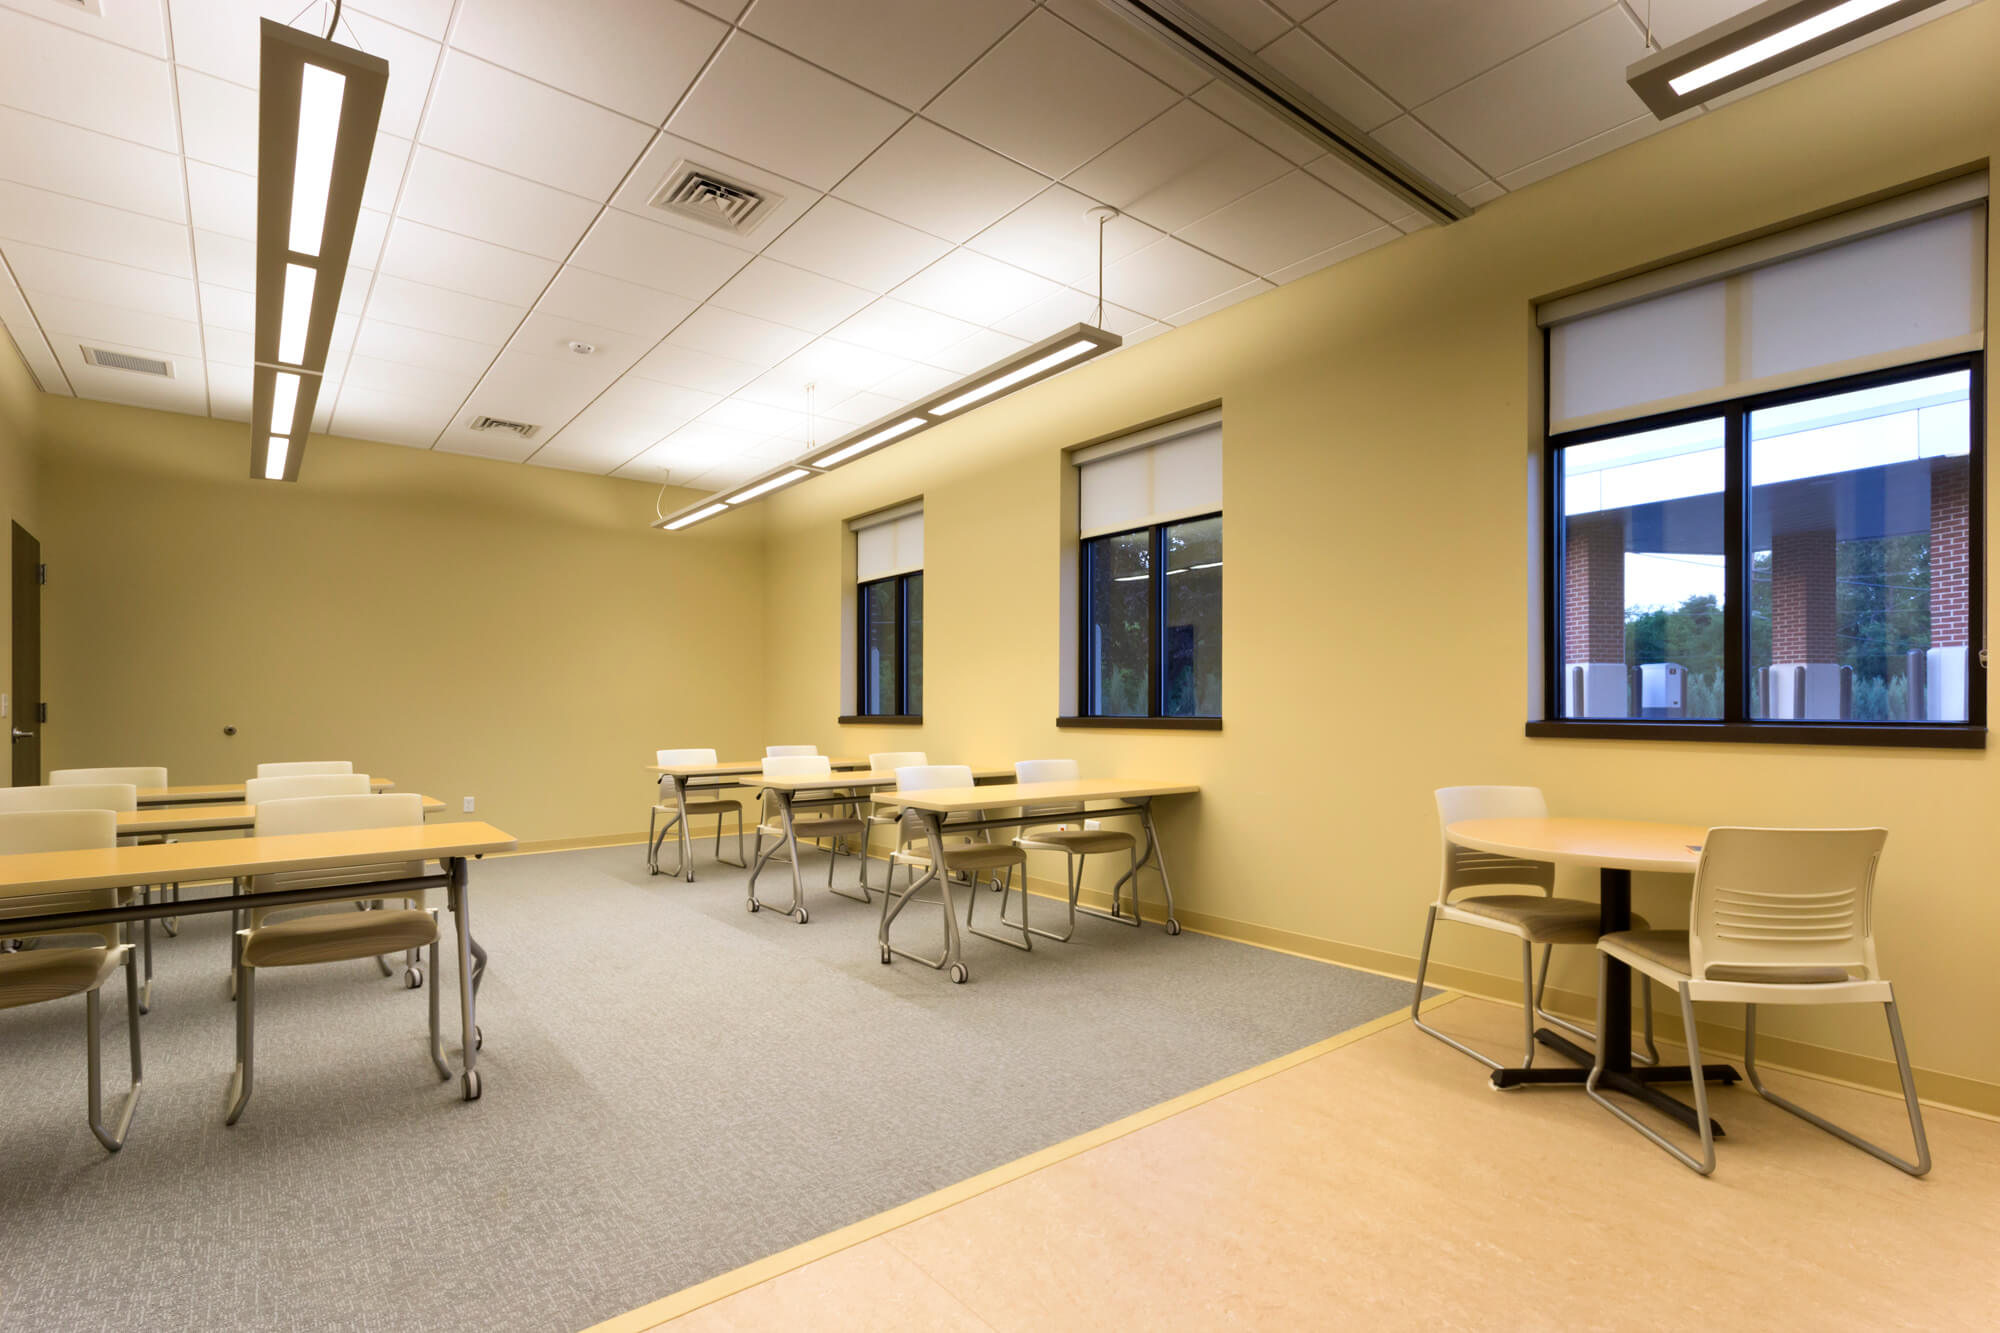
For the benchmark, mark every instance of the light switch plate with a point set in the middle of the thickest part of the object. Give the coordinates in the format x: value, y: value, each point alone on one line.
x: 468, y: 805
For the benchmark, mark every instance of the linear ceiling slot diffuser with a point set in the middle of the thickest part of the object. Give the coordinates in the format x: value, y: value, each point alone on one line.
x: 1051, y: 356
x: 1179, y: 27
x: 318, y: 107
x: 1755, y: 45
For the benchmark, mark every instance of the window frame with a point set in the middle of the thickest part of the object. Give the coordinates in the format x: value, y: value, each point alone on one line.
x: 1736, y: 725
x: 902, y: 637
x: 1155, y: 715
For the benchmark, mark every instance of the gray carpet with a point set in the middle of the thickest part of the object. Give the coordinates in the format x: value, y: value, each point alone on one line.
x: 673, y: 1088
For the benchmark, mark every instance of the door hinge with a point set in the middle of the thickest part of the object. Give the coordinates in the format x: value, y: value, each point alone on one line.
x: 41, y: 712
x: 41, y: 573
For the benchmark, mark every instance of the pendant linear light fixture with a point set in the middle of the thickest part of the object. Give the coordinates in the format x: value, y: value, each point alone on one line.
x: 1754, y: 45
x: 318, y: 107
x: 1052, y: 355
x: 1176, y: 24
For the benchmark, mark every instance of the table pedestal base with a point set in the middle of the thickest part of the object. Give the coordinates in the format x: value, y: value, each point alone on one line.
x: 1634, y: 1082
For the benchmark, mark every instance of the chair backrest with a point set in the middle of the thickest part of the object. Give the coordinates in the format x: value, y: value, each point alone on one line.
x: 1773, y: 901
x: 1047, y: 770
x: 928, y: 777
x: 138, y: 777
x: 1467, y: 869
x: 76, y: 796
x: 24, y: 831
x: 797, y: 766
x: 778, y: 751
x: 259, y: 790
x: 674, y: 758
x: 304, y: 768
x: 336, y: 814
x: 891, y: 760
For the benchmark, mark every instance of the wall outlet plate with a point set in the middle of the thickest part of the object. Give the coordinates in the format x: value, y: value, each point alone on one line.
x: 468, y: 805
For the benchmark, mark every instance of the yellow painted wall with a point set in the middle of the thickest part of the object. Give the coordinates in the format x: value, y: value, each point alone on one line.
x: 465, y: 627
x: 20, y: 410
x: 1381, y: 420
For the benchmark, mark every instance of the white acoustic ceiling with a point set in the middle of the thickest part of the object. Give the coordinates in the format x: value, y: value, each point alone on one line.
x: 930, y: 164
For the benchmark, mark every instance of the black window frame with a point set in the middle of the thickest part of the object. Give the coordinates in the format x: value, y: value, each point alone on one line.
x: 1155, y: 715
x: 902, y: 636
x: 1736, y: 724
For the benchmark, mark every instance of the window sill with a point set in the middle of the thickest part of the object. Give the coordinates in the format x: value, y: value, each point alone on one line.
x: 1914, y: 735
x: 881, y: 720
x: 1150, y: 723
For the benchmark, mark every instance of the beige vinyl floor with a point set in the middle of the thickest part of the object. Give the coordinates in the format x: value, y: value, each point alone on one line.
x: 1383, y: 1185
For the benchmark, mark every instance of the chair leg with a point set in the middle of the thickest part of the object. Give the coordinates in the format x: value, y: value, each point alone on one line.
x: 437, y: 1036
x: 1072, y: 881
x: 113, y: 1138
x: 1703, y: 1165
x: 1417, y: 997
x: 739, y: 862
x: 246, y: 1040
x: 1650, y: 1056
x: 1528, y: 1000
x: 1916, y: 1168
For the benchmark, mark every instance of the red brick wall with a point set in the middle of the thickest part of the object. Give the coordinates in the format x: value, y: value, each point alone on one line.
x: 1950, y: 525
x: 1594, y: 589
x: 1802, y: 597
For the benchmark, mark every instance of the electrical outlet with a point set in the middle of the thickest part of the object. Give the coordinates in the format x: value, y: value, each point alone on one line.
x: 468, y: 805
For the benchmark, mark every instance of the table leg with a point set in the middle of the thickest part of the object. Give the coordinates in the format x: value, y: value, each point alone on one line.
x: 1614, y: 914
x: 468, y: 1011
x: 686, y: 842
x: 790, y: 841
x: 1156, y: 857
x: 951, y: 958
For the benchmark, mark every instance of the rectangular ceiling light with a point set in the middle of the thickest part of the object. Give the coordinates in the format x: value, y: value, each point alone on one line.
x: 318, y: 107
x: 1052, y: 355
x: 1755, y: 45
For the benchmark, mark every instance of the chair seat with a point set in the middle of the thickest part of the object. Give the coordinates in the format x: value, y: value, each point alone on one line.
x: 966, y: 855
x: 819, y: 828
x: 335, y: 936
x: 716, y: 807
x: 50, y: 974
x: 1666, y: 951
x: 1535, y: 918
x: 1077, y: 841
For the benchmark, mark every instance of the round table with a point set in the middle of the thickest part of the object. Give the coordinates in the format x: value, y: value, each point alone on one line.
x: 1616, y: 847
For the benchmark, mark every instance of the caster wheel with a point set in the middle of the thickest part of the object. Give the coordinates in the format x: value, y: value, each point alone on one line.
x: 885, y: 954
x: 172, y: 925
x: 1173, y: 926
x: 958, y: 974
x: 802, y: 916
x: 751, y: 904
x: 478, y: 1038
x: 413, y: 978
x: 471, y: 1081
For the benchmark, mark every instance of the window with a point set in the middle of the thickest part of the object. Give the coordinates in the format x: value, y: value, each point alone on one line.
x: 1762, y: 492
x: 889, y: 579
x: 1150, y: 560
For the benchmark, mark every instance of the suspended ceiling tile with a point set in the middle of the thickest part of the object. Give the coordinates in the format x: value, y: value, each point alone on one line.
x: 40, y: 217
x: 1049, y: 97
x: 976, y: 353
x: 498, y: 446
x: 769, y: 107
x: 1481, y: 194
x: 940, y: 182
x: 635, y: 399
x: 460, y: 264
x: 1222, y: 302
x: 59, y: 73
x: 790, y: 296
x: 550, y: 337
x: 905, y: 50
x: 226, y: 261
x: 1298, y: 11
x: 1361, y: 188
x: 66, y: 160
x: 426, y: 18
x: 94, y: 323
x: 224, y: 202
x: 692, y: 368
x: 614, y: 303
x: 1259, y: 124
x: 669, y: 157
x: 1054, y: 236
x: 637, y: 57
x: 858, y: 247
x: 762, y: 419
x: 489, y: 205
x: 28, y: 338
x: 138, y: 24
x: 492, y: 116
x: 186, y: 391
x: 620, y: 245
x: 920, y: 381
x: 1067, y: 307
x: 1568, y: 89
x: 228, y: 346
x: 739, y: 337
x: 370, y: 414
x: 1328, y: 78
x: 831, y: 362
x: 541, y: 390
x: 85, y: 279
x: 228, y: 308
x: 1147, y: 52
x: 973, y: 288
x: 407, y: 379
x: 901, y: 329
x: 1249, y: 23
x: 386, y: 165
x: 370, y: 230
x: 1639, y: 127
x: 1170, y: 275
x: 232, y: 392
x: 1336, y: 254
x: 218, y: 121
x: 1291, y: 218
x: 1415, y: 49
x: 1432, y: 156
x: 457, y: 357
x: 1181, y: 167
x: 418, y: 306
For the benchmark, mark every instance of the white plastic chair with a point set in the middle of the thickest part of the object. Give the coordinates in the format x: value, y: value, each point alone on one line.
x: 782, y: 751
x: 259, y: 790
x: 304, y: 768
x: 144, y: 777
x: 327, y: 936
x: 718, y: 806
x: 41, y: 975
x: 1779, y: 916
x: 1532, y: 918
x: 963, y: 860
x: 829, y: 828
x: 1075, y: 839
x: 887, y: 761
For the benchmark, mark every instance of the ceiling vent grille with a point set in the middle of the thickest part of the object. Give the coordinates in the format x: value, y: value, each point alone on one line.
x: 712, y: 198
x: 142, y: 365
x: 520, y: 428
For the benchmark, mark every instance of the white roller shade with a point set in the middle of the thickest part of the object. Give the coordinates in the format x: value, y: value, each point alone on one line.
x: 892, y: 544
x: 1128, y: 484
x: 1721, y: 327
